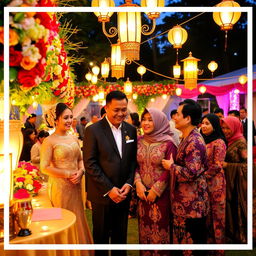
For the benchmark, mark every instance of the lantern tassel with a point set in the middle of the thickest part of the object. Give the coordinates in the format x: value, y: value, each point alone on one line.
x: 226, y: 40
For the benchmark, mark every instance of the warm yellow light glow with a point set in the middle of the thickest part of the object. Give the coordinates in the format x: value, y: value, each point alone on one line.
x: 95, y: 70
x: 177, y: 36
x: 178, y: 91
x: 135, y: 96
x: 141, y: 70
x: 242, y: 79
x: 117, y: 62
x: 128, y: 87
x: 176, y: 70
x: 1, y: 106
x: 236, y: 91
x: 202, y: 89
x: 103, y: 16
x: 226, y: 20
x: 105, y: 68
x: 34, y: 104
x: 94, y: 79
x: 152, y: 4
x: 88, y: 76
x: 101, y: 93
x: 91, y: 63
x: 44, y: 228
x: 164, y: 96
x: 152, y: 100
x: 212, y: 66
x: 95, y: 97
x: 190, y: 71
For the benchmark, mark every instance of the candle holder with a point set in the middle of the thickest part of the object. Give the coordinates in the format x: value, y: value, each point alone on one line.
x: 23, y: 216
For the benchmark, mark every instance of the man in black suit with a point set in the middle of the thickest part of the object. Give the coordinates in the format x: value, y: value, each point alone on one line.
x: 110, y: 162
x: 244, y: 120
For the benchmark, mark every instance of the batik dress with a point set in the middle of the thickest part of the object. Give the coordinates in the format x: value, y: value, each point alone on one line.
x: 216, y: 152
x: 190, y: 194
x: 154, y: 218
x: 236, y: 206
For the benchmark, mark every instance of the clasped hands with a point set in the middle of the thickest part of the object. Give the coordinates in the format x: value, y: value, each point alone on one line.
x: 141, y: 189
x: 76, y: 177
x: 118, y: 195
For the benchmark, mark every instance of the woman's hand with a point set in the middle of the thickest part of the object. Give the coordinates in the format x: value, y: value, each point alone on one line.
x: 140, y: 190
x: 151, y: 197
x: 76, y: 177
x: 167, y: 163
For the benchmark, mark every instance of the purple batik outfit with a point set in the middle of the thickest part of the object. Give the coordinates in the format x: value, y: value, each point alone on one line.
x: 190, y: 192
x: 154, y: 218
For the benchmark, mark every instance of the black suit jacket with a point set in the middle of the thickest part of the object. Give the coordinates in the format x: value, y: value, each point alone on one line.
x: 245, y: 124
x: 103, y: 164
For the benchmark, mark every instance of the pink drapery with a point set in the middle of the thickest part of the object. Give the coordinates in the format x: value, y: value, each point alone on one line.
x: 80, y: 106
x: 214, y: 90
x: 223, y: 102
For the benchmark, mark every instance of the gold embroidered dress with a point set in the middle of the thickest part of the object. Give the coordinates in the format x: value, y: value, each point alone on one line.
x: 60, y: 157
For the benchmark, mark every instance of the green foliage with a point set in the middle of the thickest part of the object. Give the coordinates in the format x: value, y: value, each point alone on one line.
x: 141, y: 102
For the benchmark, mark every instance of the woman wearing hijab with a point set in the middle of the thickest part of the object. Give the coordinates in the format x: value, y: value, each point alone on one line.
x: 235, y: 167
x: 216, y: 151
x: 152, y: 180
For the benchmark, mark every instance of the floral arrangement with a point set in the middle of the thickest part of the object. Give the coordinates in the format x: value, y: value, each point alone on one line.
x: 26, y: 181
x: 39, y: 66
x: 147, y: 89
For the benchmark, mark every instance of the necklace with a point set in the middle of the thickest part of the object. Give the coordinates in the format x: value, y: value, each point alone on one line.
x: 62, y: 136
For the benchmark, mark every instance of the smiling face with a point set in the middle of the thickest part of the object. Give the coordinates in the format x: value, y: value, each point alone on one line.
x: 206, y: 127
x: 64, y: 121
x: 116, y: 111
x: 147, y: 124
x: 226, y: 130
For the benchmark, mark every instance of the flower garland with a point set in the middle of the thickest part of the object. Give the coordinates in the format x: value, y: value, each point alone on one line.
x: 26, y: 181
x: 38, y: 60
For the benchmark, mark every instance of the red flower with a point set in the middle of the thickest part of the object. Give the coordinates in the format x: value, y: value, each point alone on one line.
x: 15, y: 57
x: 57, y: 92
x: 37, y: 185
x: 46, y: 3
x: 20, y: 179
x: 21, y: 193
x: 27, y: 78
x: 42, y: 46
x: 47, y: 21
x: 64, y: 83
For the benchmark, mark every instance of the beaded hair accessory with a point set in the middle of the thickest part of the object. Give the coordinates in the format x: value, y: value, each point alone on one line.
x: 50, y: 116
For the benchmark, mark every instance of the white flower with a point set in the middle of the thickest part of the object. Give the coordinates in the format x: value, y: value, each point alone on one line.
x: 28, y: 23
x: 29, y: 187
x: 32, y: 51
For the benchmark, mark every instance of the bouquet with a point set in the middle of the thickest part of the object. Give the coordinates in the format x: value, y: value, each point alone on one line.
x: 26, y: 181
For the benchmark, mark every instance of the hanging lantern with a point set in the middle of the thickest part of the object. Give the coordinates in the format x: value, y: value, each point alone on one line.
x: 212, y: 66
x: 190, y: 71
x: 226, y: 20
x: 94, y: 79
x: 177, y: 36
x: 128, y: 87
x: 88, y: 76
x: 178, y: 91
x: 105, y: 68
x: 95, y: 70
x: 152, y: 4
x: 242, y: 79
x: 103, y: 16
x: 117, y: 63
x: 176, y: 70
x: 141, y: 70
x: 202, y: 89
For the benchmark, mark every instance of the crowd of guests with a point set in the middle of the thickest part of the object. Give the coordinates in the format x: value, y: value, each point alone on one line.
x: 187, y: 177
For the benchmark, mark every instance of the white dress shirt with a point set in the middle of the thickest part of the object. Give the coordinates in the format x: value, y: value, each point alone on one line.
x: 117, y: 133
